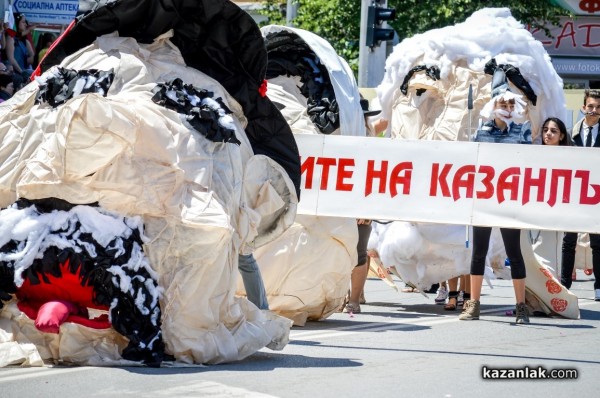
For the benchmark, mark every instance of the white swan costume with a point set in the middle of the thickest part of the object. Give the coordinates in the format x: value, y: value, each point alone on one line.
x: 435, y: 108
x: 307, y: 270
x: 195, y: 197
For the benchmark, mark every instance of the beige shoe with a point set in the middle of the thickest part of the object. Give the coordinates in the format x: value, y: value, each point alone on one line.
x: 471, y: 310
x: 362, y: 299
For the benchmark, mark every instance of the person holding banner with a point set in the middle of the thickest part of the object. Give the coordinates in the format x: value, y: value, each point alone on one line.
x: 584, y: 134
x: 554, y: 132
x: 361, y: 270
x: 504, y: 106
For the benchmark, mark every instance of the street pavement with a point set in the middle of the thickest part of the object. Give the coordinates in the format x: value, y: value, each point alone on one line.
x: 401, y: 345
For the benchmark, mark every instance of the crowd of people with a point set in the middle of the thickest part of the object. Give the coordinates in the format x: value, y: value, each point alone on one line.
x: 20, y: 54
x: 464, y: 292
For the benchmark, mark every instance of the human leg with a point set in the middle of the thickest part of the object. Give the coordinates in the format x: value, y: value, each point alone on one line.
x: 357, y: 283
x: 360, y: 272
x: 512, y: 244
x: 569, y: 244
x: 464, y: 290
x: 595, y: 245
x: 253, y: 283
x: 452, y: 294
x: 481, y: 242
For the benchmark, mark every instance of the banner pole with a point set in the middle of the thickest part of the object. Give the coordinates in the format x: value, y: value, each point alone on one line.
x: 469, y: 135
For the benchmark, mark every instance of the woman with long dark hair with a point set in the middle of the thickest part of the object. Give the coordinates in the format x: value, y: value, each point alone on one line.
x: 554, y: 132
x: 19, y: 51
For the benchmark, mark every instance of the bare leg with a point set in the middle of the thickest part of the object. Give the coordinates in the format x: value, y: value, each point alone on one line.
x: 476, y: 282
x: 453, y: 284
x: 467, y: 284
x: 357, y: 283
x: 452, y: 294
x: 519, y: 285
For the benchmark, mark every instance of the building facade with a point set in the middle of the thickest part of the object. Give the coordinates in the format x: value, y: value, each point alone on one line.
x: 574, y: 46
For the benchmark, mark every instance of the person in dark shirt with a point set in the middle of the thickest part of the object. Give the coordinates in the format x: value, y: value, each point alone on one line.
x: 585, y: 134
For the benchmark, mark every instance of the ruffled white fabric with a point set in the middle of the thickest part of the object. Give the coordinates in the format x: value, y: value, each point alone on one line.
x: 199, y: 200
x: 461, y: 52
x: 307, y: 270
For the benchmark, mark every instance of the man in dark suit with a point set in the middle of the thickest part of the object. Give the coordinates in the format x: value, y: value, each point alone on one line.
x: 584, y: 133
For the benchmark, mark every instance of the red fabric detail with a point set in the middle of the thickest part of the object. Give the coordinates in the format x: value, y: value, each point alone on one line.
x: 559, y: 305
x: 262, y: 90
x: 52, y: 316
x: 553, y: 286
x: 61, y: 300
x: 66, y: 288
x: 28, y: 309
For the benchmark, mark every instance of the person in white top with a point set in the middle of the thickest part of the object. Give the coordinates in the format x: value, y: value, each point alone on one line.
x: 585, y: 134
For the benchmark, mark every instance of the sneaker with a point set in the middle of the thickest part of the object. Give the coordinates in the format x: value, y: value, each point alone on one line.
x: 471, y: 311
x: 466, y: 297
x: 442, y: 295
x: 460, y: 300
x: 522, y: 313
x: 597, y: 296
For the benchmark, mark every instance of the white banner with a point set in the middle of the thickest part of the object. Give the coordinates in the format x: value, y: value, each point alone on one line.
x: 507, y: 185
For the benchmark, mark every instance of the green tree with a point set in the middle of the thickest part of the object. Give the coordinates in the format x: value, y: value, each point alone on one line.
x: 338, y: 21
x: 275, y: 11
x: 415, y: 16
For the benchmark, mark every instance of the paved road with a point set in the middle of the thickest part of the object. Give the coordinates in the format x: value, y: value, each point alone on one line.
x: 401, y: 345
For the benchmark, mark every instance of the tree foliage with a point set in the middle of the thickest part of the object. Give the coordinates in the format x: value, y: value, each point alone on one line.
x: 274, y: 10
x: 338, y: 21
x: 415, y: 16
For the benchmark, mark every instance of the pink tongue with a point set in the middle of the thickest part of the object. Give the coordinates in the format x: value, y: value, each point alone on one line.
x: 52, y: 314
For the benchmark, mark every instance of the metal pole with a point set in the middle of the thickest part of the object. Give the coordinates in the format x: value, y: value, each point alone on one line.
x: 469, y: 135
x: 291, y: 10
x: 371, y: 61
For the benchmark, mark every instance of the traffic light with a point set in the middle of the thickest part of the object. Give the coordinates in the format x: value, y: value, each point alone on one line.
x: 375, y: 17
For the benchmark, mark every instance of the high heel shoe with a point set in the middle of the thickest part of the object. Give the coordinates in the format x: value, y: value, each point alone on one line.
x: 452, y: 300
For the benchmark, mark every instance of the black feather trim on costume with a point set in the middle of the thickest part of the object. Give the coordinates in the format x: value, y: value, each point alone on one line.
x: 514, y: 75
x: 289, y: 55
x: 199, y: 108
x: 120, y: 281
x: 65, y: 84
x: 433, y: 72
